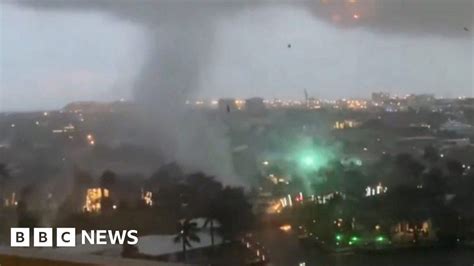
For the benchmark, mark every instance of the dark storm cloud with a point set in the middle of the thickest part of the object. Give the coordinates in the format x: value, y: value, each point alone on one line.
x: 444, y: 17
x: 414, y: 17
x: 180, y: 41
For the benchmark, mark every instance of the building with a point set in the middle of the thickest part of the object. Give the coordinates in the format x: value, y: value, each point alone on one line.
x: 227, y: 105
x: 346, y: 124
x: 313, y: 103
x: 147, y: 197
x: 94, y: 199
x: 255, y: 105
x: 425, y: 101
x: 351, y: 104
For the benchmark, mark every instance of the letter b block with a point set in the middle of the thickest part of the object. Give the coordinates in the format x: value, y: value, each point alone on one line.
x: 43, y: 237
x: 19, y: 237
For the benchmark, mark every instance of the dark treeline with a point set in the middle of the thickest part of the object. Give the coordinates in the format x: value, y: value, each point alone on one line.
x: 176, y: 196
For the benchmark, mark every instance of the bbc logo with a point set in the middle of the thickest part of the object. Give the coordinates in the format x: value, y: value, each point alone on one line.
x: 42, y: 237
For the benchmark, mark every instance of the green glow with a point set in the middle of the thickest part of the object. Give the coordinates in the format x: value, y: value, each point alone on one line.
x: 308, y: 161
x: 338, y: 237
x: 310, y: 156
x: 380, y: 239
x: 354, y: 239
x: 307, y: 157
x: 312, y: 160
x: 350, y: 243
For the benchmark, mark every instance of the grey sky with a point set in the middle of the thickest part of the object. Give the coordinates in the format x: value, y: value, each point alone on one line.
x: 49, y: 58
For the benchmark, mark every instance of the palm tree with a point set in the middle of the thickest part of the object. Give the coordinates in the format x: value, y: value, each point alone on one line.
x: 207, y: 190
x: 187, y: 232
x: 212, y: 215
x: 233, y: 212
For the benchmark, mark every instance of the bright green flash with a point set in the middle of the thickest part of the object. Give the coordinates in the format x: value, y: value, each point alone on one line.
x: 308, y: 161
x: 311, y: 160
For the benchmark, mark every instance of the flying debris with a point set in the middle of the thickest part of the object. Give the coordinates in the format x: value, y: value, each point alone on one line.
x: 289, y: 45
x: 466, y: 28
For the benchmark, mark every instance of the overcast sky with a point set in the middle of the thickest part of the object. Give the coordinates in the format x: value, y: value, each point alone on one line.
x: 52, y: 57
